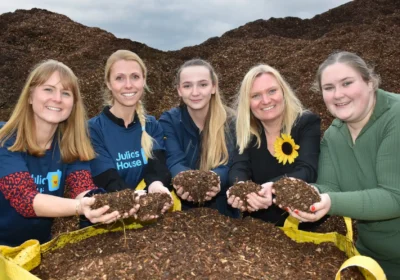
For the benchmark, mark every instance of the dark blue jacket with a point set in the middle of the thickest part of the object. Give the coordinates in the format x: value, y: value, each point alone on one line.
x: 183, y: 145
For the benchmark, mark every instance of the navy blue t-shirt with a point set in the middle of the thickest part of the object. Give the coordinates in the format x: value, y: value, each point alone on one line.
x: 49, y: 174
x: 120, y: 148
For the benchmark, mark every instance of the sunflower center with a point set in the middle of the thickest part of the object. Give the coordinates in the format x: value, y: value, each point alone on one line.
x: 287, y: 148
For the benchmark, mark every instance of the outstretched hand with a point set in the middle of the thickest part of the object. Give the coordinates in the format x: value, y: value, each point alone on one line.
x: 158, y: 187
x: 260, y: 200
x: 235, y: 201
x: 183, y: 195
x: 319, y: 210
x: 96, y: 215
x: 213, y: 192
x: 255, y: 201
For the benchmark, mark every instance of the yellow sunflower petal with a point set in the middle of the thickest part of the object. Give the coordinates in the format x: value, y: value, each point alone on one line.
x: 280, y: 155
x: 278, y: 145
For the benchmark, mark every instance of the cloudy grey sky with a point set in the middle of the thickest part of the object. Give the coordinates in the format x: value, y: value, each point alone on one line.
x: 173, y: 24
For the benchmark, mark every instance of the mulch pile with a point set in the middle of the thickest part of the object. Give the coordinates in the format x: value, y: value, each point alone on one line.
x: 295, y: 194
x: 337, y: 224
x: 64, y: 225
x: 197, y: 183
x: 294, y: 46
x: 195, y: 244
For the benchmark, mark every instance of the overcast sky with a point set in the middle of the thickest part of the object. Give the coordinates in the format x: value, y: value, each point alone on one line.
x: 173, y: 24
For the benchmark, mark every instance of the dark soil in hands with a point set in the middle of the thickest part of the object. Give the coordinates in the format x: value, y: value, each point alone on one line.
x: 242, y: 189
x: 152, y: 204
x: 121, y: 201
x: 295, y: 194
x: 197, y: 183
x: 195, y: 244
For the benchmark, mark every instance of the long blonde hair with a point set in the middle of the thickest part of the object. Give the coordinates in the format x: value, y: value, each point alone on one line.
x: 214, y: 151
x: 147, y: 140
x: 247, y: 125
x: 72, y: 133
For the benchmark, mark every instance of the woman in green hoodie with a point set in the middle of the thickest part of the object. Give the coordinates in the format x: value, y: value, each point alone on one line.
x: 359, y: 165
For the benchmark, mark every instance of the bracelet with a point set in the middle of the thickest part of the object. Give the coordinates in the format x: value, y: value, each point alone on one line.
x: 77, y: 207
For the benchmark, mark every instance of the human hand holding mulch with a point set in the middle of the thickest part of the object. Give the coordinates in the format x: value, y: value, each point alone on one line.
x: 295, y: 194
x: 197, y: 185
x: 239, y: 192
x: 130, y: 201
x: 95, y: 215
x: 122, y: 201
x: 158, y: 187
x: 152, y: 205
x: 300, y: 199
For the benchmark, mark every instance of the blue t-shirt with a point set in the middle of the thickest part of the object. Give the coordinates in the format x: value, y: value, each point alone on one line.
x: 49, y: 174
x: 120, y: 148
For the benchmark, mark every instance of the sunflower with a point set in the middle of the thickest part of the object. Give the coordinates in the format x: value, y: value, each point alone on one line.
x: 285, y: 149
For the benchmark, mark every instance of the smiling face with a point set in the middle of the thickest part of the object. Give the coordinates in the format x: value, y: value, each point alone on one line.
x: 266, y: 99
x: 51, y: 102
x: 126, y: 82
x: 196, y: 87
x: 347, y: 96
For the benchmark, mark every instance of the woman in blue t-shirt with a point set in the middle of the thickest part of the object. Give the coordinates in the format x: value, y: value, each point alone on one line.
x: 197, y: 132
x: 44, y: 147
x: 129, y: 144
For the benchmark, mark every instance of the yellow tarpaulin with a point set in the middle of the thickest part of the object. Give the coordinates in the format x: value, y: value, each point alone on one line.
x: 370, y: 268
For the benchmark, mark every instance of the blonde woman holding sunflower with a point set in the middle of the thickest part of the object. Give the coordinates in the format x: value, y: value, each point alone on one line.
x: 276, y: 137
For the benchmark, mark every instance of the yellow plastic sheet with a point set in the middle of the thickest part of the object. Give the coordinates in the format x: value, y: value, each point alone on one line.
x: 369, y: 267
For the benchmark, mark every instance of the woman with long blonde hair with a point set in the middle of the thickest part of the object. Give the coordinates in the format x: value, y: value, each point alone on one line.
x: 44, y: 146
x: 129, y: 144
x: 276, y: 137
x: 197, y: 134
